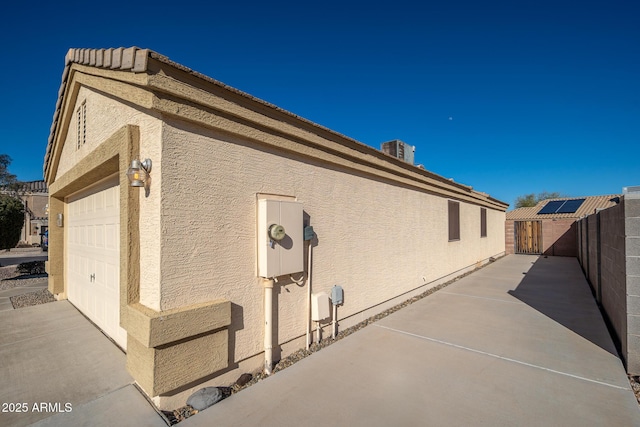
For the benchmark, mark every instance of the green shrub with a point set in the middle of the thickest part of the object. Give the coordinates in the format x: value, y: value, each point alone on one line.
x: 11, y: 221
x: 32, y: 267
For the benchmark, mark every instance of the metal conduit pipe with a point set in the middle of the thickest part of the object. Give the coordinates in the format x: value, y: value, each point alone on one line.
x: 309, y: 297
x: 268, y: 325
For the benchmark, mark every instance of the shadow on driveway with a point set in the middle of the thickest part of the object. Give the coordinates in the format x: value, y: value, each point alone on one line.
x: 555, y: 286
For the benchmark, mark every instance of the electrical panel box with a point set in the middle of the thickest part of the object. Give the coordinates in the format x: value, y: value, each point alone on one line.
x: 337, y: 295
x: 280, y: 237
x: 319, y: 306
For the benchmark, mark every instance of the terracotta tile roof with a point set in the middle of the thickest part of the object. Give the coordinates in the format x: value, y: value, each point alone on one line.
x: 34, y: 186
x: 28, y: 187
x: 589, y: 206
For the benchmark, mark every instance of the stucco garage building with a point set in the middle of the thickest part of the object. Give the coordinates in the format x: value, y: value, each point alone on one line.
x: 171, y: 271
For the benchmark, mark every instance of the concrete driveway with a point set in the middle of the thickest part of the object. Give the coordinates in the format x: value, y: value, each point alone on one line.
x: 57, y: 369
x: 520, y: 342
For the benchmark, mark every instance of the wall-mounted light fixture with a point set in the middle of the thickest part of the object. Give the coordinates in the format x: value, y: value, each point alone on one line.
x: 59, y: 220
x: 139, y: 171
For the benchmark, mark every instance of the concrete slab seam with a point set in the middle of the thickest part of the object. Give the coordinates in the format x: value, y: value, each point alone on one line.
x: 108, y: 393
x: 474, y: 296
x: 41, y: 336
x: 461, y: 347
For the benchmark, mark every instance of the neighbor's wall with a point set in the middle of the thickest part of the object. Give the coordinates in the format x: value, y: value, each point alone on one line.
x: 510, y: 237
x: 105, y: 116
x: 559, y: 237
x: 376, y: 239
x: 609, y: 248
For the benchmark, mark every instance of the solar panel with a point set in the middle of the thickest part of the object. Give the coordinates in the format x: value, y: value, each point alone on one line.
x: 551, y: 207
x: 570, y: 206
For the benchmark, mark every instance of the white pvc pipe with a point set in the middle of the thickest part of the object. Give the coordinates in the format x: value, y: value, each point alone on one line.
x: 335, y: 321
x: 309, y: 298
x: 268, y: 326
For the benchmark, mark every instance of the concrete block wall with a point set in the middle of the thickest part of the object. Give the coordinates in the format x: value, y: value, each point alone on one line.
x: 632, y: 266
x: 612, y: 269
x: 609, y: 253
x: 584, y: 245
x: 509, y: 236
x: 559, y: 237
x: 592, y: 225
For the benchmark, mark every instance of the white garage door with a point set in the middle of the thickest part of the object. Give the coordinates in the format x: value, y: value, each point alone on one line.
x: 93, y: 256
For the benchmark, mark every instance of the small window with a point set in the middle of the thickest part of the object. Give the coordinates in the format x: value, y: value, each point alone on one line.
x: 483, y: 222
x: 454, y: 220
x: 81, y: 119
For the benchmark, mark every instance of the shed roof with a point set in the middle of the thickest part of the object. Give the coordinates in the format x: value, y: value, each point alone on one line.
x: 590, y: 205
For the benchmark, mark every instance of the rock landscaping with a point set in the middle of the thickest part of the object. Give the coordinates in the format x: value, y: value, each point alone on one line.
x: 634, y: 380
x: 32, y: 298
x: 11, y: 277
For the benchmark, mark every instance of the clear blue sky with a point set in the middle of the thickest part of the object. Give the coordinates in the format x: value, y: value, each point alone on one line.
x: 510, y: 97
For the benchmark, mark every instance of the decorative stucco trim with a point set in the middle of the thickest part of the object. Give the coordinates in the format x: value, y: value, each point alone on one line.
x: 156, y: 328
x: 160, y: 370
x: 112, y: 156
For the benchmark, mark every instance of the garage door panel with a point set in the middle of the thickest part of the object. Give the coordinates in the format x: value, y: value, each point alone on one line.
x: 100, y: 236
x: 100, y: 207
x: 112, y: 277
x: 111, y: 237
x: 91, y: 236
x: 93, y: 258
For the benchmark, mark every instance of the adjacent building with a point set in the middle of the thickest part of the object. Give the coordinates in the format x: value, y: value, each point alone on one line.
x: 549, y: 228
x: 35, y: 198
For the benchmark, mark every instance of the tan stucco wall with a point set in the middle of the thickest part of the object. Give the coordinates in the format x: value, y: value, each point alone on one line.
x: 376, y: 239
x: 105, y: 116
x: 159, y: 343
x: 382, y: 230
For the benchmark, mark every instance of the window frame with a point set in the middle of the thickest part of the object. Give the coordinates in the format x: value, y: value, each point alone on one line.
x: 454, y: 220
x: 483, y: 222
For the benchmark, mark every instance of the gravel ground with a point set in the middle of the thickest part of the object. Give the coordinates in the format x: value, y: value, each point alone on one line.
x: 10, y: 279
x: 635, y: 386
x: 8, y: 272
x: 32, y: 298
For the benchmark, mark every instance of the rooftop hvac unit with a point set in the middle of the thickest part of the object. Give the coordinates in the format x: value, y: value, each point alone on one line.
x: 399, y: 149
x: 633, y: 189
